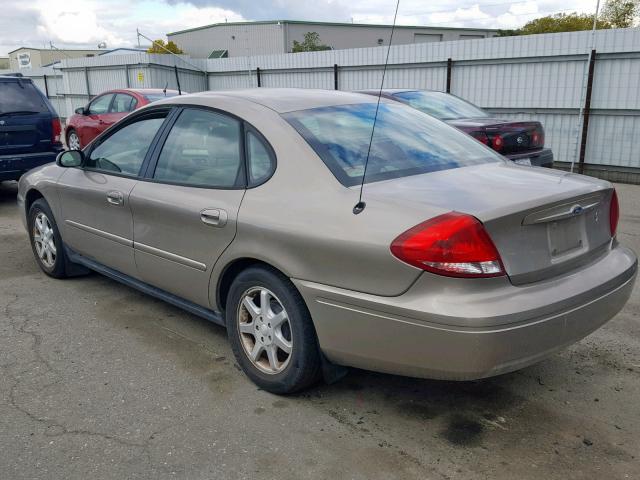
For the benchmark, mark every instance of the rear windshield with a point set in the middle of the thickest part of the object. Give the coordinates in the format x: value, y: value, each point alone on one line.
x: 405, y: 142
x: 441, y: 105
x: 21, y: 97
x: 154, y: 97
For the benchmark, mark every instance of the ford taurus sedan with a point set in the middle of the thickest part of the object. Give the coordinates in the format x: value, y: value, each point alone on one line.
x: 239, y: 207
x: 520, y: 141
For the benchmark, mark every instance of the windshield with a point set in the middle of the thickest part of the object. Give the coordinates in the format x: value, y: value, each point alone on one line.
x: 440, y: 105
x: 20, y: 97
x: 405, y: 142
x: 154, y: 97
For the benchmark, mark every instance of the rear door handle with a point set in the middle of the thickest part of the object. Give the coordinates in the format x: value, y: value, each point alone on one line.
x: 115, y: 198
x: 215, y: 217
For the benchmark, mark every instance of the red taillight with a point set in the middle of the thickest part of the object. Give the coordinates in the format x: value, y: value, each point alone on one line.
x: 537, y: 138
x: 56, y: 130
x: 454, y: 244
x: 497, y: 142
x: 614, y: 213
x: 481, y: 137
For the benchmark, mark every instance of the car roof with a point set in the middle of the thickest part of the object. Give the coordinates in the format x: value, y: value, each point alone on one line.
x: 140, y: 91
x: 281, y: 100
x: 11, y: 78
x: 391, y: 91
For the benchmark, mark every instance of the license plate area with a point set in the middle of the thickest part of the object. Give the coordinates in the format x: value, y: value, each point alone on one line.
x: 567, y: 237
x: 523, y: 161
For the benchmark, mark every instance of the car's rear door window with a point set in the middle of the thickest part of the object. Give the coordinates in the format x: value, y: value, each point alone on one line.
x: 100, y: 104
x: 124, y: 151
x: 123, y: 103
x: 404, y: 141
x: 203, y: 148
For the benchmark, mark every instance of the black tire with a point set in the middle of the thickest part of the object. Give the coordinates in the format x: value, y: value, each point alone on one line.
x: 69, y: 132
x: 304, y: 365
x: 58, y: 269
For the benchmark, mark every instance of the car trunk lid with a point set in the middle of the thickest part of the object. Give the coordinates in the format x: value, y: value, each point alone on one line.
x: 542, y: 222
x: 503, y: 135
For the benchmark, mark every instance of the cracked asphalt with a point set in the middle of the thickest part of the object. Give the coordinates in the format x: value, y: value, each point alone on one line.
x: 99, y: 381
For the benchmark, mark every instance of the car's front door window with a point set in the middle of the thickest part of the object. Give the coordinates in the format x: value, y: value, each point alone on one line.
x: 100, y: 105
x: 124, y: 151
x: 203, y: 149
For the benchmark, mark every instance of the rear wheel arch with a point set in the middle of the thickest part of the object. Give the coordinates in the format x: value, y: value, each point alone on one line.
x: 232, y: 270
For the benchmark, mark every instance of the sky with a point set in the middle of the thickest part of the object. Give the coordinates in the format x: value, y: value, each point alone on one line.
x: 86, y: 23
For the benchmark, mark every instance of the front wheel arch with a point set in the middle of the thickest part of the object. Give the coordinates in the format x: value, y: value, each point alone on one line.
x: 68, y: 133
x: 31, y: 196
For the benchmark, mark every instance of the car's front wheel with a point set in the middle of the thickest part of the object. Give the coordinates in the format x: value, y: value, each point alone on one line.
x: 73, y: 140
x: 45, y: 240
x: 271, y: 332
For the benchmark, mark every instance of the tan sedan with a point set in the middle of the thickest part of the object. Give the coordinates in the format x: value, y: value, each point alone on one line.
x: 239, y: 207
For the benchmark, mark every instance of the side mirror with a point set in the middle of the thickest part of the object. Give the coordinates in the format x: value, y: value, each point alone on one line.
x: 70, y: 158
x: 81, y: 111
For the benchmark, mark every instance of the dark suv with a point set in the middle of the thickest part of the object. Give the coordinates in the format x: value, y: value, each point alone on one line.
x: 29, y: 128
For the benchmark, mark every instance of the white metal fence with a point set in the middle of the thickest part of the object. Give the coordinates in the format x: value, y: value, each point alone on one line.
x: 530, y: 77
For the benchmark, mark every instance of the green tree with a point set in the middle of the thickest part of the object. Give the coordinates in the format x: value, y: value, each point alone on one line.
x: 157, y: 48
x: 311, y: 43
x: 562, y: 22
x: 621, y: 13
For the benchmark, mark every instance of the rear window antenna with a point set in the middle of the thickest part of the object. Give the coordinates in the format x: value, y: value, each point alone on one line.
x: 359, y: 207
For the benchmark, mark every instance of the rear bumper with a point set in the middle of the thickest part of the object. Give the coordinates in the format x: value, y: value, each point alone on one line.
x: 12, y: 167
x: 436, y: 330
x: 539, y: 158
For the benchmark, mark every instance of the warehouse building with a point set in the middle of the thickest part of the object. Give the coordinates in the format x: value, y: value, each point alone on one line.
x: 222, y: 40
x: 26, y: 57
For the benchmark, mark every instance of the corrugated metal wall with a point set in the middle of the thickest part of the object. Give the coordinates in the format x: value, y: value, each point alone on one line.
x: 530, y: 77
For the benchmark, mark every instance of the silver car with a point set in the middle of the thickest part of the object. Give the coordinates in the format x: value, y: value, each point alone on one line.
x: 239, y: 207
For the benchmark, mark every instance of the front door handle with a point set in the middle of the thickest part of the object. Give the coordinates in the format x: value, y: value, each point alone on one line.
x: 215, y: 217
x: 115, y: 198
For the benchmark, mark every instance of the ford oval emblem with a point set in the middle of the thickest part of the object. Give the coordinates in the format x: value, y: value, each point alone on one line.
x: 576, y: 210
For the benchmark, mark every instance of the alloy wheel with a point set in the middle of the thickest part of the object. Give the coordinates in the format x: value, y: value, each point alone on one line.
x: 44, y: 240
x: 74, y: 141
x: 265, y: 330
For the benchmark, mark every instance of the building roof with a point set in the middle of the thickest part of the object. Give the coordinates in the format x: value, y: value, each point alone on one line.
x: 120, y: 49
x: 337, y: 24
x: 58, y: 49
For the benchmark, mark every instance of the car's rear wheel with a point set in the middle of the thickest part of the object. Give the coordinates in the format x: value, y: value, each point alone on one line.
x: 73, y: 140
x: 271, y: 332
x: 45, y: 240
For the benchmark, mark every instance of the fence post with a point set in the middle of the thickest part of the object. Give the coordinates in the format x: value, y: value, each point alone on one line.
x: 175, y: 69
x: 449, y: 68
x: 586, y: 111
x: 126, y: 72
x: 258, y: 76
x: 46, y: 87
x: 335, y: 76
x: 86, y: 81
x: 206, y: 81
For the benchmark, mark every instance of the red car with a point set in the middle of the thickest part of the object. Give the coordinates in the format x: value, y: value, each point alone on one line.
x: 105, y: 110
x: 521, y: 142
